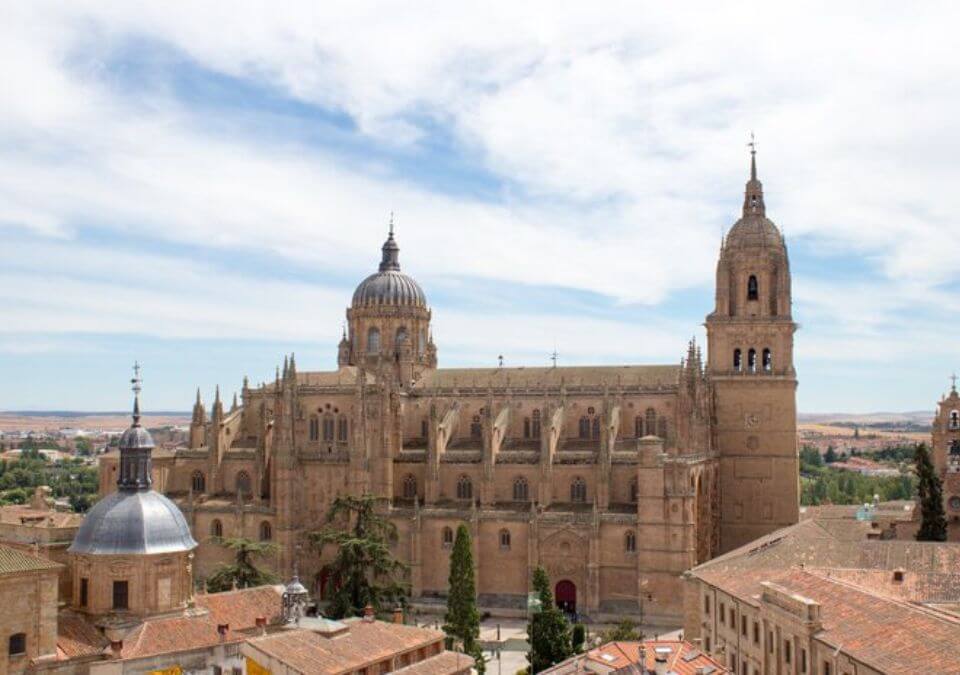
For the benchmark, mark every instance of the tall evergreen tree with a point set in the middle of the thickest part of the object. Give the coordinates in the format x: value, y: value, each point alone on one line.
x: 242, y: 572
x: 462, y: 621
x: 548, y: 630
x: 363, y: 571
x: 933, y: 520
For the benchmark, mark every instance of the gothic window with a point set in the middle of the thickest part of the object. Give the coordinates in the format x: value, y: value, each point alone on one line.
x: 243, y: 483
x: 197, y: 482
x: 737, y: 360
x: 447, y: 537
x: 662, y: 428
x: 476, y: 429
x: 638, y: 426
x: 630, y: 542
x: 954, y: 419
x: 578, y: 490
x: 373, y: 340
x: 121, y: 595
x: 424, y: 429
x: 464, y: 488
x: 328, y: 428
x: 753, y: 289
x: 342, y: 428
x: 521, y: 490
x: 409, y: 487
x: 526, y: 427
x: 584, y: 427
x: 216, y: 528
x: 18, y: 644
x: 650, y: 424
x: 596, y: 427
x: 634, y: 491
x: 505, y: 540
x: 266, y: 532
x: 314, y: 429
x: 767, y: 361
x: 535, y: 426
x: 752, y: 360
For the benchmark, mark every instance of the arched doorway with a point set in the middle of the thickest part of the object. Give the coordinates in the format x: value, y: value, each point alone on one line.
x: 566, y: 594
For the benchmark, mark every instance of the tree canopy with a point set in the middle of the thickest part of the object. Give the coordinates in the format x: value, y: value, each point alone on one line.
x: 242, y: 572
x: 933, y: 520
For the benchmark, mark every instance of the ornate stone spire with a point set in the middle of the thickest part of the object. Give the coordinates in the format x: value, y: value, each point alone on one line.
x: 391, y: 252
x: 753, y: 195
x: 135, y: 446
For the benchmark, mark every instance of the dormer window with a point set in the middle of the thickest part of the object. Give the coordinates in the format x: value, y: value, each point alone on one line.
x: 753, y: 288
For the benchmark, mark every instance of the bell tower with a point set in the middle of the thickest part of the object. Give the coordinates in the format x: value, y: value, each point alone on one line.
x: 750, y: 362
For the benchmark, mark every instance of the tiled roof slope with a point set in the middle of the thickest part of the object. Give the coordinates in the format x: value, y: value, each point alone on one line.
x: 14, y: 561
x: 571, y: 376
x: 682, y: 659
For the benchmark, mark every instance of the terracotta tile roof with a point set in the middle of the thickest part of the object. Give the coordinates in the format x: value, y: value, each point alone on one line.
x: 14, y: 561
x: 442, y: 664
x: 682, y: 658
x: 77, y: 637
x: 17, y: 514
x: 241, y: 608
x: 365, y: 643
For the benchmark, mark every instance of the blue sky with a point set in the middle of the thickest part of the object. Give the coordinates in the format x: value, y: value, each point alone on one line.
x: 203, y: 191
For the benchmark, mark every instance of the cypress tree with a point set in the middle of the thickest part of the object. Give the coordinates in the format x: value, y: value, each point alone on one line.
x: 548, y: 631
x: 462, y: 620
x: 933, y: 520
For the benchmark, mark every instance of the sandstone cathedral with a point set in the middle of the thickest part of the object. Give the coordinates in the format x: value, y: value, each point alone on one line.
x: 616, y: 479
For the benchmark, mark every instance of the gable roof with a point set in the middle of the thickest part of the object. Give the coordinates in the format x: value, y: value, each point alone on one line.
x: 15, y: 561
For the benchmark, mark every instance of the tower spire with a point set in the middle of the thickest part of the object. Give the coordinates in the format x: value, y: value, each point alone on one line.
x: 753, y: 195
x: 136, y: 393
x: 391, y: 252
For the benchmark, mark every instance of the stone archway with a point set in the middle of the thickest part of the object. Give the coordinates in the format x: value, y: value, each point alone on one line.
x: 565, y: 595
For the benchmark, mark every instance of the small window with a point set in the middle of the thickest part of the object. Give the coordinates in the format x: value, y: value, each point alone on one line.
x: 752, y: 360
x: 638, y: 427
x: 786, y: 650
x: 526, y: 427
x: 584, y: 427
x: 216, y: 529
x: 706, y: 604
x: 737, y: 360
x: 767, y: 361
x: 266, y: 532
x: 447, y: 537
x: 343, y: 429
x: 328, y: 428
x: 756, y: 632
x: 409, y: 486
x: 84, y: 591
x: 198, y: 482
x: 733, y: 618
x: 373, y: 341
x: 18, y: 644
x: 578, y: 490
x: 753, y: 288
x: 630, y: 542
x: 743, y: 626
x: 826, y: 668
x: 314, y: 429
x: 521, y: 489
x: 121, y: 598
x: 464, y: 488
x: 243, y: 484
x: 505, y: 540
x: 954, y: 419
x: 723, y: 614
x: 476, y: 429
x: 535, y: 424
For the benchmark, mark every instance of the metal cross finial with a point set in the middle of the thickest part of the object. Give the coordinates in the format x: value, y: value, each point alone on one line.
x: 136, y: 377
x: 391, y: 223
x: 752, y: 144
x: 953, y: 379
x: 554, y: 356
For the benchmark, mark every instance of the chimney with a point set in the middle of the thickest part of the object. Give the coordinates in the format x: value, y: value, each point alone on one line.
x: 262, y: 624
x: 116, y: 646
x: 368, y: 613
x: 222, y: 629
x: 398, y: 614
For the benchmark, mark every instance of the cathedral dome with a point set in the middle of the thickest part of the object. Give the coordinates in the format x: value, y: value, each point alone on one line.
x: 389, y: 286
x: 754, y: 230
x: 142, y: 522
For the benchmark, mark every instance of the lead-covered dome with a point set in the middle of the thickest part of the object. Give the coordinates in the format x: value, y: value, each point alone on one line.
x: 389, y: 286
x: 141, y: 522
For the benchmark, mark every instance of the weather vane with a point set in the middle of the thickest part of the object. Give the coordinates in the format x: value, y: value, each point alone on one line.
x: 136, y: 377
x: 554, y: 356
x: 752, y: 144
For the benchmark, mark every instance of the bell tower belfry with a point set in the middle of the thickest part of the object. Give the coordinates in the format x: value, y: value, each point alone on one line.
x: 750, y: 362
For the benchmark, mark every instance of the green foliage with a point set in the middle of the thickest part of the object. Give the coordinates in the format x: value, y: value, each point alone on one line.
x: 68, y: 478
x: 810, y: 459
x: 462, y: 621
x: 363, y: 571
x: 825, y: 485
x: 578, y: 638
x: 242, y: 572
x: 31, y: 444
x: 933, y: 521
x: 83, y: 446
x: 548, y: 631
x: 625, y: 631
x: 895, y: 453
x: 830, y: 456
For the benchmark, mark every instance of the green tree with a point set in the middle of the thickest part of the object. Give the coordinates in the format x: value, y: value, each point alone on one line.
x: 625, y: 631
x: 578, y: 638
x: 242, y: 572
x: 462, y: 621
x: 830, y: 456
x: 363, y: 570
x: 933, y: 521
x: 548, y: 630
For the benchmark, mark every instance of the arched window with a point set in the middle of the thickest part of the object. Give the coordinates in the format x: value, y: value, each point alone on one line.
x: 584, y: 427
x: 447, y: 537
x: 216, y: 528
x: 328, y: 428
x: 401, y: 336
x: 243, y: 483
x: 536, y: 424
x: 526, y: 427
x: 476, y: 429
x: 954, y: 419
x: 521, y: 489
x: 752, y: 360
x: 505, y: 540
x: 373, y: 341
x: 578, y: 490
x: 314, y: 429
x: 464, y: 488
x: 198, y: 482
x: 409, y: 486
x: 767, y: 361
x: 343, y: 428
x: 630, y: 542
x: 753, y: 288
x: 596, y: 427
x: 266, y: 532
x: 737, y: 360
x: 634, y: 491
x: 650, y: 424
x: 18, y: 644
x: 638, y: 427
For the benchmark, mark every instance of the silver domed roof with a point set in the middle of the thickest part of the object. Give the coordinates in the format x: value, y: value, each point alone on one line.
x: 126, y: 522
x: 389, y: 286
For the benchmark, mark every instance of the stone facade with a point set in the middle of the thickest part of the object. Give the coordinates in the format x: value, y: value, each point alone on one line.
x: 28, y: 623
x: 616, y: 479
x: 946, y: 457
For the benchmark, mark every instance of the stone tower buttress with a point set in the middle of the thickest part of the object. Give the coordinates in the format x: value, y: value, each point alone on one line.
x: 750, y: 363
